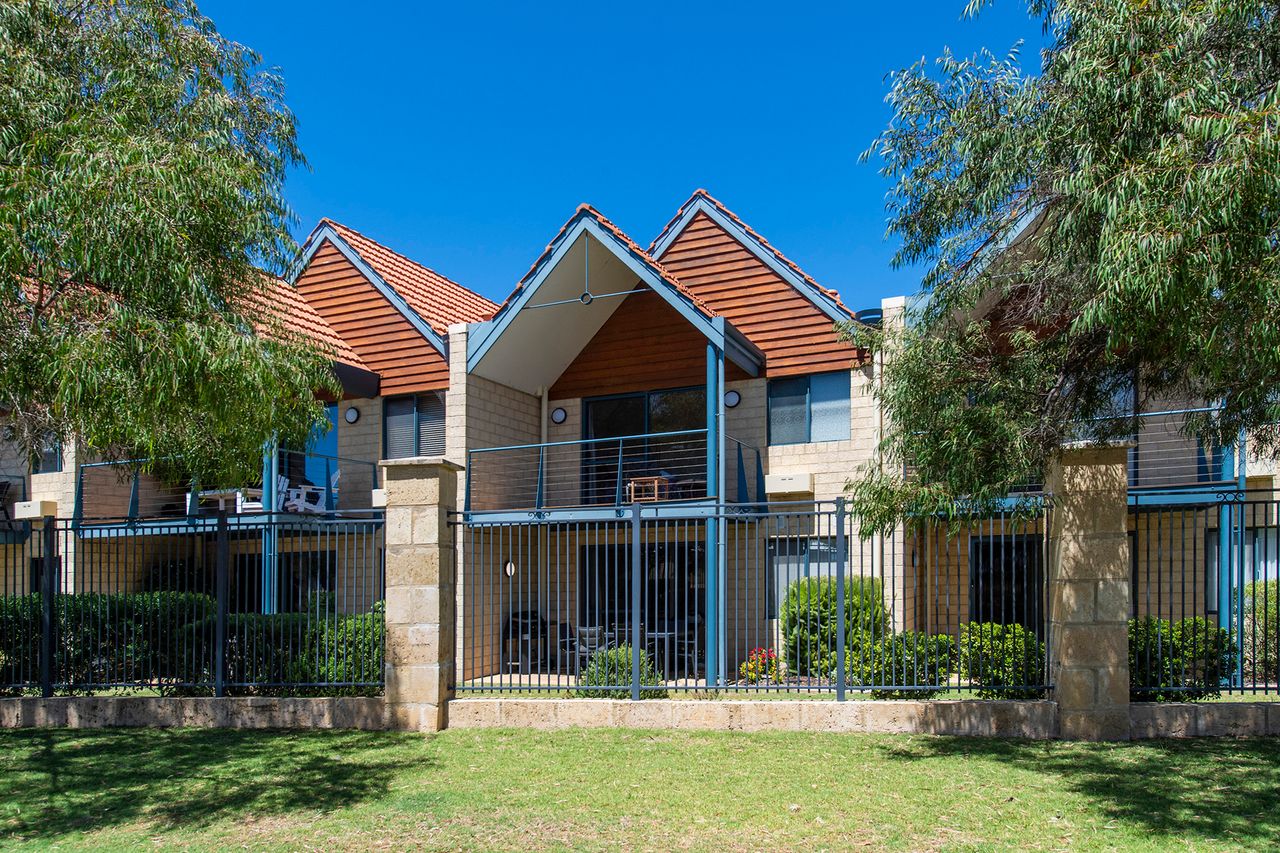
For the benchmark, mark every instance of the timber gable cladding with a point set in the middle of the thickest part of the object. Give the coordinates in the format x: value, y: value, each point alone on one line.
x: 796, y: 336
x: 379, y: 333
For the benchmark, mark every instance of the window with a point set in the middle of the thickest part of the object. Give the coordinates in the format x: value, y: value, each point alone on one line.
x: 413, y: 426
x: 1006, y: 581
x: 1255, y: 557
x: 805, y: 409
x: 795, y: 558
x: 49, y: 459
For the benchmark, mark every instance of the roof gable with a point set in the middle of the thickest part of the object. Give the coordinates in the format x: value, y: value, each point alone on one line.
x: 735, y: 272
x: 701, y: 202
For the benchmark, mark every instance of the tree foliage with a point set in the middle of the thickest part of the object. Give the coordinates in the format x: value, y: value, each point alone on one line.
x: 1115, y: 215
x: 142, y: 164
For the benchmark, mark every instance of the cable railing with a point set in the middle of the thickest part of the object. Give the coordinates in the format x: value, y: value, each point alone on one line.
x: 614, y: 472
x: 297, y: 483
x: 13, y: 490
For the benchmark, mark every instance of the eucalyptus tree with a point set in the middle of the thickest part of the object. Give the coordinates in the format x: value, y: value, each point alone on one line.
x: 142, y: 166
x: 1113, y: 212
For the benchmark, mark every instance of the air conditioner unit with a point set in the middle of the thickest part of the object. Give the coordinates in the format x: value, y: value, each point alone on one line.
x: 788, y: 484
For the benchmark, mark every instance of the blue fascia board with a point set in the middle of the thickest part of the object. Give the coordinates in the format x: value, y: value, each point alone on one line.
x: 700, y: 205
x: 326, y: 232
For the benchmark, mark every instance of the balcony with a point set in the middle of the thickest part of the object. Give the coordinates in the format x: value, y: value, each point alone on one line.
x: 668, y: 468
x: 305, y: 484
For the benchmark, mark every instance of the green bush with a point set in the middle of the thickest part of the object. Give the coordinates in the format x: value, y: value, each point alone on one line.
x: 907, y: 660
x: 1261, y: 614
x: 167, y: 639
x: 808, y: 616
x: 612, y: 667
x: 1001, y: 659
x: 1178, y: 660
x: 344, y: 650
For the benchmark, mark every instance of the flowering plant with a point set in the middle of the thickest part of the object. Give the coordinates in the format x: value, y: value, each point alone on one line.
x: 760, y: 665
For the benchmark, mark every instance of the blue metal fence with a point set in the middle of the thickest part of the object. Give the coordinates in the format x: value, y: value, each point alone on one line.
x: 205, y: 608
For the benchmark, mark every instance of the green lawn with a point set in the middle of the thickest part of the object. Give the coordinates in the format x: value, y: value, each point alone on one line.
x: 650, y: 790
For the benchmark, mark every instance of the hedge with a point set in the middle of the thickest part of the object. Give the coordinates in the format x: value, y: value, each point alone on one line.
x: 808, y: 616
x: 907, y: 660
x: 167, y: 640
x: 1261, y: 614
x: 1003, y: 661
x: 1178, y: 660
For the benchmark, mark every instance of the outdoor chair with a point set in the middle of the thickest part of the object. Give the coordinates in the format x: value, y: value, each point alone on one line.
x: 590, y: 640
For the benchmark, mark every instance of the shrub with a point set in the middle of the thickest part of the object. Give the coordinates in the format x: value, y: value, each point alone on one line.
x: 1178, y: 660
x: 344, y: 650
x: 907, y: 660
x: 1004, y: 661
x: 612, y: 667
x: 760, y: 665
x: 808, y: 616
x: 19, y: 642
x: 1261, y: 615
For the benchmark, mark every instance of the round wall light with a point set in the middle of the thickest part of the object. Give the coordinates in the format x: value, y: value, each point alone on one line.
x: 509, y: 568
x: 732, y: 399
x: 352, y: 414
x: 558, y: 415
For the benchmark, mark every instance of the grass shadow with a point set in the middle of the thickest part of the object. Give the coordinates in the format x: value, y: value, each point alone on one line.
x: 1173, y: 789
x: 57, y: 782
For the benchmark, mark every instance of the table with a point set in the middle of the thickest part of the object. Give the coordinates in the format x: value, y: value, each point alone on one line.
x: 647, y: 489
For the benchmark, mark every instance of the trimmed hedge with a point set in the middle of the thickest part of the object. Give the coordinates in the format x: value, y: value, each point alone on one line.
x: 167, y: 640
x: 808, y: 616
x: 1261, y: 612
x: 612, y: 667
x: 1000, y: 659
x: 1178, y: 660
x: 910, y: 659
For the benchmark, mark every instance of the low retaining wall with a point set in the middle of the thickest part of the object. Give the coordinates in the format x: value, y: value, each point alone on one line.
x: 964, y: 717
x: 232, y: 712
x: 1207, y: 719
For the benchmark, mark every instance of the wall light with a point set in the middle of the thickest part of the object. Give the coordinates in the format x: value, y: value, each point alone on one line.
x: 558, y: 415
x: 732, y: 399
x: 352, y: 414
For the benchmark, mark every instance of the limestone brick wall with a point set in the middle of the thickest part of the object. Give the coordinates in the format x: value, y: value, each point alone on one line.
x: 361, y: 440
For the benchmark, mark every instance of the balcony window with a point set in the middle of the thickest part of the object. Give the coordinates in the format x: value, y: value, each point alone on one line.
x: 413, y: 425
x: 804, y: 409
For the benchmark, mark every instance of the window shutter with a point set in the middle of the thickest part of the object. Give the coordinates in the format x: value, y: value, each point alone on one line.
x: 398, y: 423
x: 829, y: 404
x: 431, y: 423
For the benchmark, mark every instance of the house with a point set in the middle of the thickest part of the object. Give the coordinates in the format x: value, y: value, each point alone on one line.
x: 654, y: 441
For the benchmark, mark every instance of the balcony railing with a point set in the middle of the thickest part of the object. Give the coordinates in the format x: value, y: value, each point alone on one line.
x: 654, y: 467
x: 305, y: 484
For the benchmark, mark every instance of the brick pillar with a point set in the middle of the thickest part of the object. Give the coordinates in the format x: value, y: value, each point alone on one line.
x: 1089, y: 593
x: 421, y: 492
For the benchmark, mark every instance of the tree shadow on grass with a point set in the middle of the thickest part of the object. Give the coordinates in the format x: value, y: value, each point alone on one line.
x: 55, y: 782
x: 1190, y: 790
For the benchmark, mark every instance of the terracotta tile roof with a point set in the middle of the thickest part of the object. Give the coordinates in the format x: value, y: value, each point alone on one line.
x: 755, y: 235
x: 283, y: 302
x: 436, y: 299
x: 632, y: 245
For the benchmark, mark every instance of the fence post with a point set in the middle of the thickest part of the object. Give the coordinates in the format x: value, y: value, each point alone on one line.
x: 48, y: 613
x: 221, y: 558
x: 1089, y: 592
x: 421, y: 593
x: 841, y: 561
x: 636, y: 555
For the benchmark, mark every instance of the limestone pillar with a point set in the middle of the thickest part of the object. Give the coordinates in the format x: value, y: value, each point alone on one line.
x: 1089, y: 592
x: 421, y: 571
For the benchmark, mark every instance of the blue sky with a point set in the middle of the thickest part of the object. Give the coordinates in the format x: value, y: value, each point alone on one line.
x: 464, y: 134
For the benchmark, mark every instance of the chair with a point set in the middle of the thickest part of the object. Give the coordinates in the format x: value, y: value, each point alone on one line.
x: 590, y: 641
